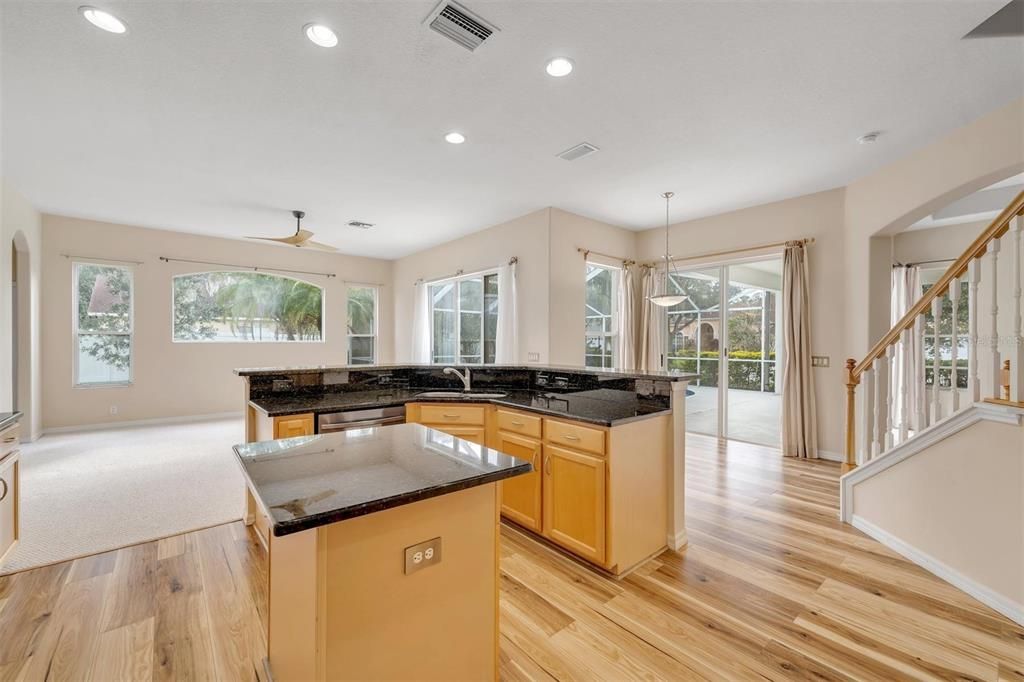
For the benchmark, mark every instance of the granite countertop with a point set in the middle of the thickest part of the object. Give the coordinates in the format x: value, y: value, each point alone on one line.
x: 312, y: 481
x: 8, y: 418
x: 605, y: 407
x: 596, y: 371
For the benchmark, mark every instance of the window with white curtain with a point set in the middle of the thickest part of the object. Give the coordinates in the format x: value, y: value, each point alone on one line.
x: 103, y: 324
x: 601, y: 303
x: 362, y: 325
x: 928, y: 278
x: 463, y: 319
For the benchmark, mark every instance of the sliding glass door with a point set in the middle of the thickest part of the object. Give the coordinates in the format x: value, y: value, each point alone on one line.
x: 725, y: 331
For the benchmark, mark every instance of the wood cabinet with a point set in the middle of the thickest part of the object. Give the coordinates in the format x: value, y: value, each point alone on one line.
x: 575, y: 501
x: 9, y: 490
x: 466, y: 421
x: 288, y: 426
x: 521, y: 496
x: 474, y: 434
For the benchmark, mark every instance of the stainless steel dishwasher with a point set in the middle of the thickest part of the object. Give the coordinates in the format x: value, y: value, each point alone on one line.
x: 360, y: 419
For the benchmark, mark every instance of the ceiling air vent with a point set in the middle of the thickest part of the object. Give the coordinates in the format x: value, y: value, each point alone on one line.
x: 458, y: 24
x: 578, y: 152
x: 360, y: 224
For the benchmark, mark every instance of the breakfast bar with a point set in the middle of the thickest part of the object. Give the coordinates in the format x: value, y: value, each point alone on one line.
x: 380, y: 536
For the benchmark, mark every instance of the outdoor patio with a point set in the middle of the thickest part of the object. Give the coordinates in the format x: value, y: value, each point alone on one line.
x: 753, y: 416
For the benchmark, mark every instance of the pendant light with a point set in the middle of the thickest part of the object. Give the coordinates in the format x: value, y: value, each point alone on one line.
x: 667, y: 300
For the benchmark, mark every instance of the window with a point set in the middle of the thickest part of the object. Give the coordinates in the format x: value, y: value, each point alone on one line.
x: 251, y: 307
x: 928, y: 278
x: 464, y: 320
x: 600, y: 315
x: 362, y: 325
x: 103, y: 324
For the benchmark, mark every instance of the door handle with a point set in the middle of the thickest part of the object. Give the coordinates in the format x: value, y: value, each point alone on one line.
x: 515, y: 423
x: 451, y: 416
x: 4, y: 494
x: 569, y: 436
x: 547, y: 465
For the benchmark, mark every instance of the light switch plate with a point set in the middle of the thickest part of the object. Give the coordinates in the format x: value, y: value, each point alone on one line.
x: 819, y: 361
x: 424, y: 554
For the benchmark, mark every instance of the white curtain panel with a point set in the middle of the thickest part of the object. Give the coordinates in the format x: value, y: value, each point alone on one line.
x: 908, y: 365
x: 629, y: 323
x: 799, y: 418
x: 506, y: 350
x: 421, y: 324
x: 653, y: 320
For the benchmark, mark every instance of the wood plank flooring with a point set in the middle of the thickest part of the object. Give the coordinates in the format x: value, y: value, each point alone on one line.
x: 771, y: 586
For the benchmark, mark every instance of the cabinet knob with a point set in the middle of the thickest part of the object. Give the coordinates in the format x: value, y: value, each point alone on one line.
x: 4, y: 493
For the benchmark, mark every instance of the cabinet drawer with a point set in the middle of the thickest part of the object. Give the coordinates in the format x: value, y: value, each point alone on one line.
x: 574, y: 436
x: 474, y: 434
x: 8, y: 503
x: 452, y: 414
x: 517, y: 422
x: 9, y: 439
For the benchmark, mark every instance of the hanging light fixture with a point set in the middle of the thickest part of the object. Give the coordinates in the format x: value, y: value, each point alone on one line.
x: 666, y: 300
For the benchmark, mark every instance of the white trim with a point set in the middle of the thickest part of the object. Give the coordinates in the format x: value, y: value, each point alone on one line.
x: 985, y: 595
x: 678, y: 541
x: 184, y: 419
x: 830, y: 456
x: 974, y: 414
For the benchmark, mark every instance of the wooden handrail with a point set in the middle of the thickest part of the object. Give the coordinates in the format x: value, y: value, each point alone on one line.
x: 996, y: 228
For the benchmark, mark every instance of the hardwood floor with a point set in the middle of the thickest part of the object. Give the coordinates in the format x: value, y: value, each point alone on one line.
x: 771, y: 586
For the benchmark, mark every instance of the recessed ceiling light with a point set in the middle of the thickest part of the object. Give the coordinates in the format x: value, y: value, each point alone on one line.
x: 559, y: 66
x: 321, y: 35
x: 104, y: 20
x: 455, y: 138
x: 868, y: 138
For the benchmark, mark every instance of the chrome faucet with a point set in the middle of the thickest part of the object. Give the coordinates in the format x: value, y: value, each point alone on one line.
x: 464, y: 377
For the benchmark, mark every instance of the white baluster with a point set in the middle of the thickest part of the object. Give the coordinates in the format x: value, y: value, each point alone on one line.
x: 954, y: 297
x: 890, y: 352
x: 877, y: 368
x: 867, y: 384
x: 936, y: 405
x: 1017, y: 333
x: 917, y: 374
x: 906, y: 376
x: 973, y: 279
x: 994, y: 361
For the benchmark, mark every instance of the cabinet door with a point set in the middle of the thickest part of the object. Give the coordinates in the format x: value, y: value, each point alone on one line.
x: 520, y: 496
x: 290, y: 427
x: 8, y: 503
x: 574, y: 501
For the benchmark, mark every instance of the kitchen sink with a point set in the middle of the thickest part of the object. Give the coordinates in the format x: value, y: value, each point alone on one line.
x: 459, y: 394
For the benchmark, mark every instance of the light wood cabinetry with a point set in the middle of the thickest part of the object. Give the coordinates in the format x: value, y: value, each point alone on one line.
x: 451, y: 414
x: 521, y: 496
x: 474, y: 434
x: 575, y: 436
x: 574, y: 501
x: 288, y: 426
x: 517, y: 422
x: 9, y: 490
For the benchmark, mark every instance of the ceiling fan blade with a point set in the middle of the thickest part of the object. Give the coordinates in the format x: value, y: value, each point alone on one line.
x: 285, y: 240
x: 310, y: 244
x: 297, y: 239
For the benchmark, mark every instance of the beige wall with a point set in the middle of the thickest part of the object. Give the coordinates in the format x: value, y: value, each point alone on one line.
x: 959, y: 503
x: 180, y: 379
x: 20, y: 224
x: 936, y: 243
x: 816, y: 215
x: 972, y: 157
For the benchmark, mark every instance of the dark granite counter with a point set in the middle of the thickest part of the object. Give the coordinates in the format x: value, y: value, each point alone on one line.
x: 316, y: 480
x: 8, y: 418
x: 603, y: 406
x: 594, y: 371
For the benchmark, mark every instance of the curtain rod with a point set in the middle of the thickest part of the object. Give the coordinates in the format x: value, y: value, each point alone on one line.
x: 107, y: 260
x: 898, y: 264
x: 460, y: 272
x: 730, y: 252
x: 254, y: 268
x: 586, y: 253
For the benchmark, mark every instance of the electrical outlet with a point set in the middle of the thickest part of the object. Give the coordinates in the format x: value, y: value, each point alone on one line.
x: 422, y: 555
x: 533, y: 357
x: 819, y: 361
x: 113, y: 409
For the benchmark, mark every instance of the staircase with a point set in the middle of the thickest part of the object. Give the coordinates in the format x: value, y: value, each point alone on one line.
x: 937, y: 472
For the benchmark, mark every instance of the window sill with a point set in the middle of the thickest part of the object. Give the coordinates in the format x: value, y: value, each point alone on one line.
x: 110, y: 384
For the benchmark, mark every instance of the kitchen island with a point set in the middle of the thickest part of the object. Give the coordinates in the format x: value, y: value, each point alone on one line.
x: 607, y: 446
x: 383, y: 553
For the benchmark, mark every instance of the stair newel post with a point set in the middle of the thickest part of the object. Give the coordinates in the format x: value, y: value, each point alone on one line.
x: 936, y: 404
x: 954, y: 299
x: 851, y: 416
x: 995, y: 362
x: 1017, y: 334
x: 917, y: 374
x: 887, y: 364
x: 867, y: 413
x: 973, y: 280
x: 905, y: 379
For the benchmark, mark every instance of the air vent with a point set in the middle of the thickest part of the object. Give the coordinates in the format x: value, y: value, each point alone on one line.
x: 360, y: 224
x: 459, y: 25
x: 578, y: 152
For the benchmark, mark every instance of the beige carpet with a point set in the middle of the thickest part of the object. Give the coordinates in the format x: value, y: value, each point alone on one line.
x: 89, y: 492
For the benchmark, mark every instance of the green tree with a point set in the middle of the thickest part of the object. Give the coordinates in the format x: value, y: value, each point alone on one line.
x: 104, y: 306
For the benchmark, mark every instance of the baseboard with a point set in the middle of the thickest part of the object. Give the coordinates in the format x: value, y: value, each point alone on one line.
x: 830, y: 456
x: 986, y: 596
x: 678, y: 541
x: 185, y: 419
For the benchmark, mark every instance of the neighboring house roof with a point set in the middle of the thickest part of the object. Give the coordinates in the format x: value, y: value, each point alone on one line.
x: 103, y: 298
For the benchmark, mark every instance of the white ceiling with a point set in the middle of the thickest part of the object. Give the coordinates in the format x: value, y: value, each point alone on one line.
x: 220, y: 117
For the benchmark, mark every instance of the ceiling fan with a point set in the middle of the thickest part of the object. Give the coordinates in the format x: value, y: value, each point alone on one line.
x: 302, y: 238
